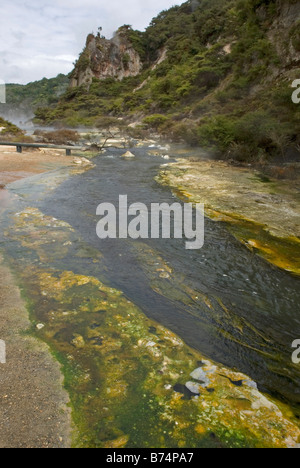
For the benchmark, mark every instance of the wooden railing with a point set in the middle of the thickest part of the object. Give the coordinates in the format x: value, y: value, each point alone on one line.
x: 20, y: 146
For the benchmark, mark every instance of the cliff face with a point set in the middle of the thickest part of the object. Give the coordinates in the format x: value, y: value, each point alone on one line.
x: 284, y: 33
x: 103, y: 58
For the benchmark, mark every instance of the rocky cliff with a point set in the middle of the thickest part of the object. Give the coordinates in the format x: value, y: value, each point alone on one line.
x: 214, y: 73
x: 103, y: 58
x: 284, y: 32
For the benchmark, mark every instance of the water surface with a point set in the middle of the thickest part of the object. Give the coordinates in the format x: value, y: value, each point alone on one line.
x: 222, y: 300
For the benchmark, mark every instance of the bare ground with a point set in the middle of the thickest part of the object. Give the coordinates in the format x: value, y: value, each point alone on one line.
x: 15, y: 166
x: 33, y: 403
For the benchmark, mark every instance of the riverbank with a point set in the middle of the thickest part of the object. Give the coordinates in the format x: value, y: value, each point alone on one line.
x: 34, y: 409
x: 15, y: 166
x: 262, y: 212
x: 33, y: 403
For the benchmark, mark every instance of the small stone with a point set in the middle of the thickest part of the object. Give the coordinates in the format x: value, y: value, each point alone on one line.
x: 200, y: 375
x: 251, y: 384
x: 40, y: 326
x: 77, y: 161
x: 150, y: 344
x: 128, y: 155
x: 82, y: 161
x: 164, y: 275
x: 193, y: 387
x: 78, y: 342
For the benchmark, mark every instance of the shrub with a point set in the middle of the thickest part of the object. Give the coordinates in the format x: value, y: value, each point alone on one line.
x: 139, y: 132
x: 155, y: 121
x: 11, y: 132
x: 104, y: 122
x: 257, y: 129
x: 126, y: 61
x: 184, y: 131
x: 60, y: 137
x: 217, y: 131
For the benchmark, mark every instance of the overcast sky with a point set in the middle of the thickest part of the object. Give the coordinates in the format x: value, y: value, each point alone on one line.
x: 41, y: 38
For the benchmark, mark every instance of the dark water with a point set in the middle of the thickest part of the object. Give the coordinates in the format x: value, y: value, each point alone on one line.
x: 253, y: 316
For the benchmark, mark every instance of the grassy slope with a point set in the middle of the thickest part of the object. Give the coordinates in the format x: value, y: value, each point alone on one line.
x: 226, y: 82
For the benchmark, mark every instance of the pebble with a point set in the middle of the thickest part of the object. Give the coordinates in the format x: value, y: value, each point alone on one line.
x: 150, y: 344
x: 128, y: 154
x: 200, y: 375
x: 193, y: 387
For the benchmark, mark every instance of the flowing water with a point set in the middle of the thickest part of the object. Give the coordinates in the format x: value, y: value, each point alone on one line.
x: 222, y: 300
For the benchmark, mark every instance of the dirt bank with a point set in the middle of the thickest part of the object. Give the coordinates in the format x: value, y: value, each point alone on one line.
x: 33, y: 404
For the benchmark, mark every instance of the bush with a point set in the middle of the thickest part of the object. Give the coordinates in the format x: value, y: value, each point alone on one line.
x: 257, y: 129
x: 184, y: 131
x: 60, y: 137
x: 217, y: 131
x: 155, y: 121
x: 139, y: 132
x: 11, y: 132
x: 253, y: 136
x: 104, y: 123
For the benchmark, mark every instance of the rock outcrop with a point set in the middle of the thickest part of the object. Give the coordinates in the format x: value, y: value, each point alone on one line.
x: 284, y: 33
x: 103, y: 58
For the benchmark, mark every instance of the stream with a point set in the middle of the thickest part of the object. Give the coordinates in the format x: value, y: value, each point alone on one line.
x: 223, y: 300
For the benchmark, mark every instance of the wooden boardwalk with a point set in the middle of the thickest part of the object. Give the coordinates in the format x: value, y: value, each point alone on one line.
x: 20, y: 146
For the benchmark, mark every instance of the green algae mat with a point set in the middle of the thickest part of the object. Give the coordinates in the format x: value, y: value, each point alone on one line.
x: 132, y: 383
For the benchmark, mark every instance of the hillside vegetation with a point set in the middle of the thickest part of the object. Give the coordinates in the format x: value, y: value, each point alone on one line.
x: 216, y: 73
x: 10, y: 132
x: 43, y: 92
x: 22, y: 100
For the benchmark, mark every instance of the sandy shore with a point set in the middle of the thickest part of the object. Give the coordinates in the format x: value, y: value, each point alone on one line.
x: 33, y: 403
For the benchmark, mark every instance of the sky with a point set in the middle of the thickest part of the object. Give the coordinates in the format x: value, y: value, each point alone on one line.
x: 42, y: 38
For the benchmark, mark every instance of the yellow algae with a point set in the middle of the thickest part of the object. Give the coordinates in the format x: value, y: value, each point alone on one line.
x: 78, y: 342
x: 266, y: 214
x: 274, y: 255
x: 119, y: 339
x: 117, y: 443
x: 200, y: 429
